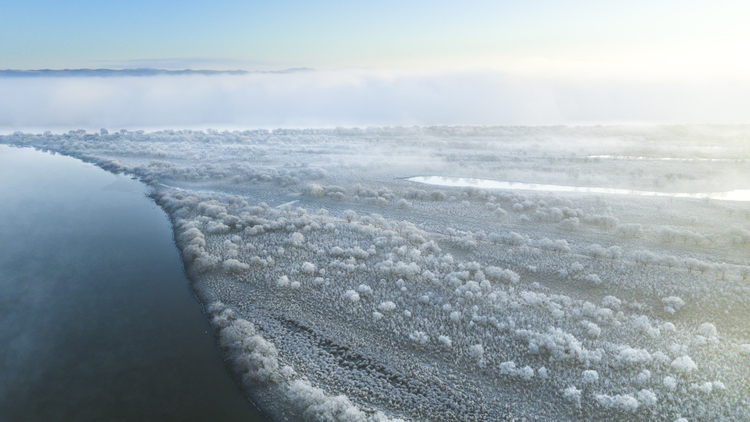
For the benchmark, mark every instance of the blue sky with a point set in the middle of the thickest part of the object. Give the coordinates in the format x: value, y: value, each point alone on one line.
x: 598, y: 36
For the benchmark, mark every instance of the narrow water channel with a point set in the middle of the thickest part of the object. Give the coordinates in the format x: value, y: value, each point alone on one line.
x: 97, y: 322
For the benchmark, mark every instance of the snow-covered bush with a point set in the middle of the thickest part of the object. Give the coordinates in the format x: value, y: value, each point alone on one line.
x: 445, y: 341
x: 684, y: 365
x: 589, y: 376
x: 234, y: 266
x: 351, y: 296
x: 386, y: 306
x: 623, y: 402
x: 573, y: 395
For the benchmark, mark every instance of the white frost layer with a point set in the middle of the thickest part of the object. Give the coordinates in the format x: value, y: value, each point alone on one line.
x: 499, y: 296
x: 734, y: 195
x: 258, y: 361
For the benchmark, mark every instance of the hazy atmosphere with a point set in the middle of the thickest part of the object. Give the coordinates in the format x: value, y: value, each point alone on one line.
x: 420, y: 211
x: 394, y: 63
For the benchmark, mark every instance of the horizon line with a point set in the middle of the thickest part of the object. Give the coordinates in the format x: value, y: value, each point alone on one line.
x: 142, y: 71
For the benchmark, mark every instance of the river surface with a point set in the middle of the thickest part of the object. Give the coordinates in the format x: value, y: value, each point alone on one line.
x: 97, y: 321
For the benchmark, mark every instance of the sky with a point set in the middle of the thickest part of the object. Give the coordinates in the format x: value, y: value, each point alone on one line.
x: 579, y: 59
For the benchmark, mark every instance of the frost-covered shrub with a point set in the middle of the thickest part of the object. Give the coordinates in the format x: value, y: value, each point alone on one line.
x: 296, y: 239
x: 430, y: 247
x: 589, y: 376
x: 592, y: 330
x: 258, y: 359
x: 593, y: 279
x: 254, y: 357
x: 697, y: 265
x: 559, y: 245
x: 707, y: 329
x: 623, y: 402
x: 438, y: 195
x: 386, y: 306
x: 403, y: 204
x: 365, y: 290
x: 643, y: 324
x: 476, y: 352
x: 283, y: 281
x: 234, y: 266
x: 596, y: 251
x: 573, y: 395
x: 412, y: 193
x: 351, y: 296
x: 684, y: 365
x: 190, y: 234
x: 455, y: 316
x: 445, y: 341
x: 317, y: 406
x: 704, y: 388
x: 215, y: 227
x: 410, y: 270
x: 205, y: 262
x: 630, y: 230
x: 647, y: 398
x: 670, y: 383
x: 628, y: 356
x: 499, y: 274
x: 506, y: 368
x: 211, y: 209
x: 643, y: 376
x: 606, y: 222
x: 350, y: 215
x: 672, y: 304
x: 560, y: 345
x: 611, y: 302
x: 308, y: 268
x: 542, y: 372
x: 420, y: 337
x: 645, y: 257
x: 569, y: 224
x: 512, y: 239
x: 314, y: 190
x: 526, y: 373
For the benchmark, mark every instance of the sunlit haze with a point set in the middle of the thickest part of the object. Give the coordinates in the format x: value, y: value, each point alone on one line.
x: 423, y: 63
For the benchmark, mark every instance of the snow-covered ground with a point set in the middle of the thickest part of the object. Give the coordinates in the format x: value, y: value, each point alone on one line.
x: 341, y: 290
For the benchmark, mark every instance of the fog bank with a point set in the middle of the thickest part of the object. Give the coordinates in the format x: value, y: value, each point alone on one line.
x: 359, y: 97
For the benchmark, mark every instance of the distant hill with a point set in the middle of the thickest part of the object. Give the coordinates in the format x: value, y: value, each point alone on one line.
x: 11, y: 73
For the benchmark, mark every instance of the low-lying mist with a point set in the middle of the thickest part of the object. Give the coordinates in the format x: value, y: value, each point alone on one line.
x: 357, y: 97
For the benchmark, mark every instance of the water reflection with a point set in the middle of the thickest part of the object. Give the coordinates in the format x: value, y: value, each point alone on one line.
x: 734, y: 195
x: 97, y: 321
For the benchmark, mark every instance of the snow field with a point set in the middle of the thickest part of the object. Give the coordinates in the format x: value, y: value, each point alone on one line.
x: 357, y: 295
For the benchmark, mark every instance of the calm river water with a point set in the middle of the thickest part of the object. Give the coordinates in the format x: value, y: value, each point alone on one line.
x: 97, y: 322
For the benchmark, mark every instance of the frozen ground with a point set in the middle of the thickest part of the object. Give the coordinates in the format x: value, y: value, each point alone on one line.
x: 340, y: 290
